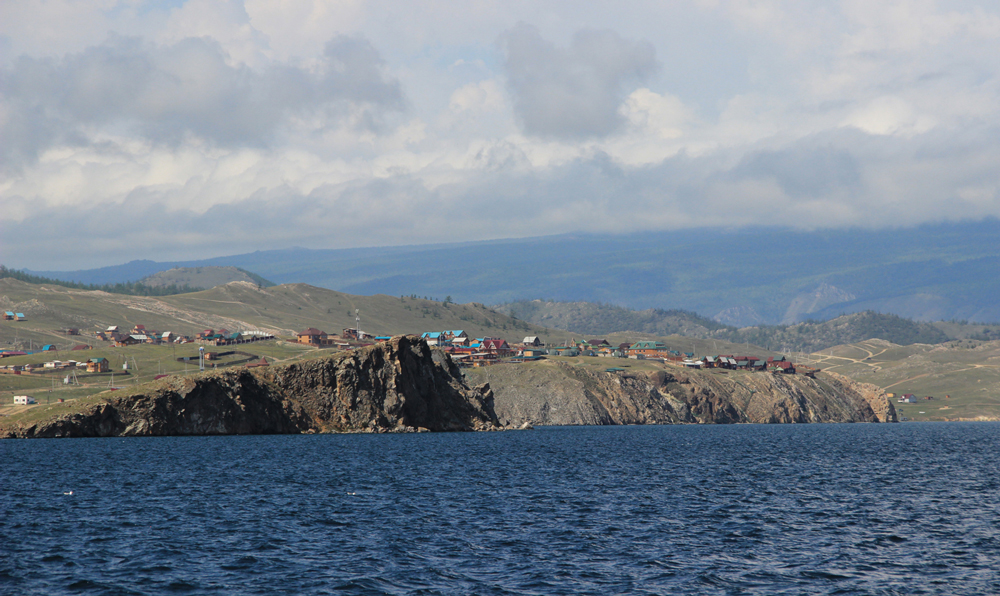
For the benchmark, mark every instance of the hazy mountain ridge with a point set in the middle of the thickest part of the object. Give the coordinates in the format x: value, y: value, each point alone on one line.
x: 602, y: 319
x: 203, y: 277
x: 933, y: 272
x: 812, y: 336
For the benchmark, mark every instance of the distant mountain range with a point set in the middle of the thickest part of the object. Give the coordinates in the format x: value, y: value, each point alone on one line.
x: 740, y: 278
x: 601, y: 319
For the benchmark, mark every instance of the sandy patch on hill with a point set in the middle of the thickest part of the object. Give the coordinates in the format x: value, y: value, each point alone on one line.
x: 155, y: 306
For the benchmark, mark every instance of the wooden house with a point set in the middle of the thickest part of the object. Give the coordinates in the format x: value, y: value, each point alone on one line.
x: 311, y: 337
x: 496, y: 346
x: 564, y: 351
x: 648, y: 348
x: 782, y: 366
x: 98, y: 365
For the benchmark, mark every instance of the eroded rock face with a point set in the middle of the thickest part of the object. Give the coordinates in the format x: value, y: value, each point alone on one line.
x: 559, y: 393
x: 397, y: 386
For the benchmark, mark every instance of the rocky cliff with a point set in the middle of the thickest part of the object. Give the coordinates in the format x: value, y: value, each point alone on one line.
x: 562, y: 393
x: 401, y: 385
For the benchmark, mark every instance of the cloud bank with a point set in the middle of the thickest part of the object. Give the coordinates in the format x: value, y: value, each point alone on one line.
x: 574, y: 92
x: 195, y: 128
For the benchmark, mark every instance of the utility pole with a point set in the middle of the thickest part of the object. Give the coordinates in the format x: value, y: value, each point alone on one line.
x: 357, y: 319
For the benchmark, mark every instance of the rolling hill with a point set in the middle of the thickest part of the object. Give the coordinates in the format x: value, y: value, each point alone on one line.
x: 203, y: 277
x: 962, y: 376
x: 281, y: 310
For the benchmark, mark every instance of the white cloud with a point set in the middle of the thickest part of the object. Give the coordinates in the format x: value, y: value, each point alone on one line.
x: 289, y: 116
x: 226, y: 22
x: 485, y: 96
x: 187, y: 90
x: 889, y: 115
x: 663, y: 115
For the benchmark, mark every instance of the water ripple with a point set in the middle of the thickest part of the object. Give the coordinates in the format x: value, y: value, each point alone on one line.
x: 817, y: 509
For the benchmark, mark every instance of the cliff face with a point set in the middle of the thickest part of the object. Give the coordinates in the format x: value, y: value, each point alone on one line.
x: 401, y: 385
x: 560, y: 393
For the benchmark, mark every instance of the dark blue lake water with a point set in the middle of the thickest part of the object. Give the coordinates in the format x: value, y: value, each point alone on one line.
x: 804, y: 509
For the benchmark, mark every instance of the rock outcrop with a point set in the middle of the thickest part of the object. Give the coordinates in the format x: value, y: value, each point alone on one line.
x: 560, y: 393
x: 397, y: 386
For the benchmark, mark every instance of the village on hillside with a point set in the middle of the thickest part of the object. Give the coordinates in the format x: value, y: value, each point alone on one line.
x: 484, y: 351
x: 465, y: 351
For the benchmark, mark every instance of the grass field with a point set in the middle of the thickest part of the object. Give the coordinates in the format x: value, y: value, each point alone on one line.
x: 145, y: 363
x: 280, y: 310
x: 963, y: 377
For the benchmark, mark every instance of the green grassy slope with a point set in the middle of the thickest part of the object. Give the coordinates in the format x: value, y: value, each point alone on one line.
x: 967, y: 371
x: 281, y: 310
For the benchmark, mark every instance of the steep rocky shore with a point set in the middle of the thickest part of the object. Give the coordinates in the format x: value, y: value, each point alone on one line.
x: 562, y: 393
x: 397, y: 386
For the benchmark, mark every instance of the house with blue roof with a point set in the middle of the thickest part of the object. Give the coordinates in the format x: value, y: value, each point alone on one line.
x: 433, y: 337
x: 8, y: 315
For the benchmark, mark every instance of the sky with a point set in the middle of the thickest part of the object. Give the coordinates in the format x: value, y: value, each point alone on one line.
x: 200, y: 128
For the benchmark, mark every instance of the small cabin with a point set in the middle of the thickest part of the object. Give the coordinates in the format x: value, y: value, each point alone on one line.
x: 98, y: 365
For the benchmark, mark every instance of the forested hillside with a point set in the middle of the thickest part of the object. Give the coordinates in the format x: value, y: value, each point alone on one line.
x: 601, y: 319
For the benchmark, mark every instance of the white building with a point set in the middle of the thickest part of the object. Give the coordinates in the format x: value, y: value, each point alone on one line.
x: 23, y: 400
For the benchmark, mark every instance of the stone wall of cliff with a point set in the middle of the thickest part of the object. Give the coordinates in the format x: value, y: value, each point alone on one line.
x: 401, y: 385
x: 562, y: 393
